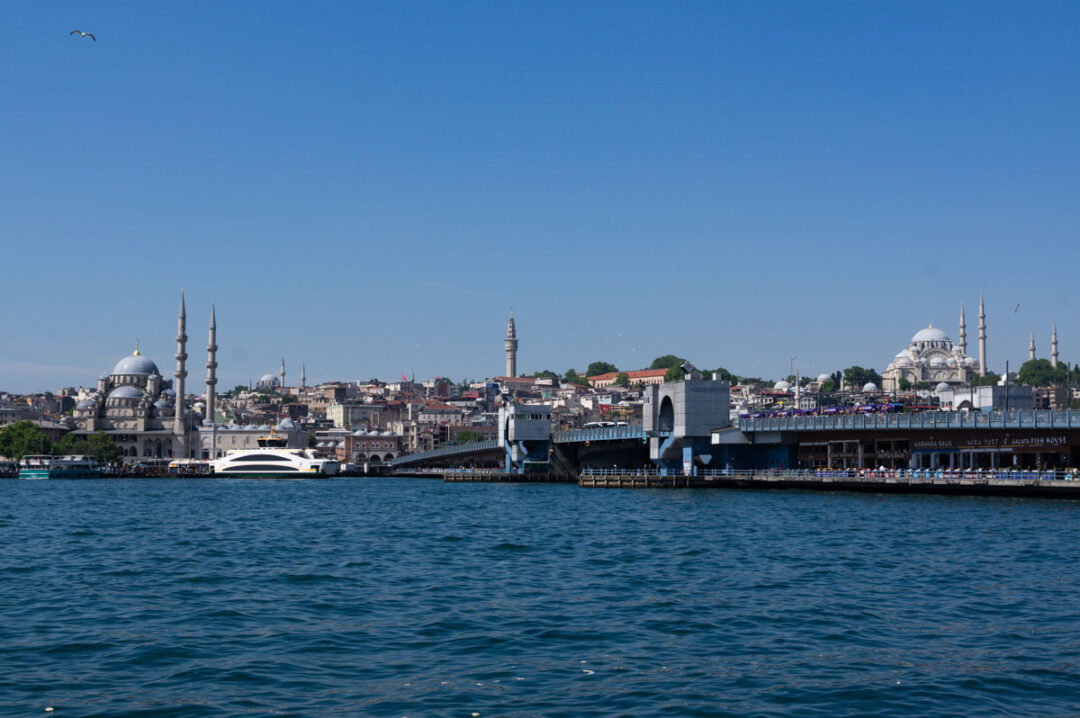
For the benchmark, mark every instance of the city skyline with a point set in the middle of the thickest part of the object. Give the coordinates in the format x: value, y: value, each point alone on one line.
x: 197, y: 384
x: 368, y: 190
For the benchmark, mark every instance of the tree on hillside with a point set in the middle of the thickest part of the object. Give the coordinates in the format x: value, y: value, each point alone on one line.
x: 828, y: 386
x: 674, y: 374
x: 467, y: 437
x: 904, y: 384
x: 99, y: 445
x: 988, y: 379
x: 855, y: 377
x: 600, y: 367
x: 572, y: 377
x: 725, y: 375
x: 545, y: 374
x: 22, y: 438
x: 1039, y: 372
x: 238, y: 390
x: 623, y: 379
x: 667, y: 361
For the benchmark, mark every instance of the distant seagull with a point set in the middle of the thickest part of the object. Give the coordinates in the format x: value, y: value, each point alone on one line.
x: 80, y: 33
x: 1017, y: 308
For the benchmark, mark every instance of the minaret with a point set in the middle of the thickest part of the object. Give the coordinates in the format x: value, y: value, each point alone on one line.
x: 181, y: 374
x: 303, y: 376
x: 963, y: 331
x: 211, y: 365
x: 511, y: 347
x: 1053, y: 347
x: 283, y: 373
x: 1031, y: 347
x: 982, y: 337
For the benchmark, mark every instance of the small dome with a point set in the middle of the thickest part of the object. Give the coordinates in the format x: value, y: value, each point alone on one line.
x: 387, y: 433
x: 924, y: 361
x: 268, y: 380
x: 937, y: 361
x: 162, y: 404
x: 969, y: 361
x: 782, y: 385
x: 952, y: 361
x: 930, y: 334
x: 135, y: 364
x: 84, y: 404
x: 125, y: 392
x: 942, y: 387
x: 822, y: 378
x: 869, y: 388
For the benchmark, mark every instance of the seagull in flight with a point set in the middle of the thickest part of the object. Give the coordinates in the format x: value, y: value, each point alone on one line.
x: 80, y: 33
x: 1017, y: 308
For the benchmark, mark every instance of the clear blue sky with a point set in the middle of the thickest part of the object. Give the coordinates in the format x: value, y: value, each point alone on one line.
x: 369, y: 187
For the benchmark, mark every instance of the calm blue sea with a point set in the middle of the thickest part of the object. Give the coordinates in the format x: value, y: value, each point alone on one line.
x: 399, y: 597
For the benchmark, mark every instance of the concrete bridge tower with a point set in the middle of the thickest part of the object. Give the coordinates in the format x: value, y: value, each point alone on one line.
x: 525, y: 435
x: 679, y: 417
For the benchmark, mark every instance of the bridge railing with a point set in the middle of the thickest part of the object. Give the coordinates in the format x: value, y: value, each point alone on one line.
x: 855, y: 474
x: 474, y: 447
x: 600, y: 433
x: 1016, y: 419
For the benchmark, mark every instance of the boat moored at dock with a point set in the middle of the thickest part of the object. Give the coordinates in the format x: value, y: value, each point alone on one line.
x: 41, y: 466
x: 273, y: 460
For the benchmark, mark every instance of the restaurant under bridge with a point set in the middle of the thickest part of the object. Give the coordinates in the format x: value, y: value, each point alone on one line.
x: 930, y: 440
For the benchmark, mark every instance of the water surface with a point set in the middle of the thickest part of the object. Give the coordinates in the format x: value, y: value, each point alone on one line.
x: 397, y: 597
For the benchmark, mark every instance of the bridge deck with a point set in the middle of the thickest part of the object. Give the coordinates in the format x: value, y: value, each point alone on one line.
x: 921, y: 421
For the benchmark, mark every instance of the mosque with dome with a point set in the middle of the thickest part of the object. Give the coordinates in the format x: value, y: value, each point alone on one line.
x: 138, y: 407
x: 931, y: 357
x: 147, y: 417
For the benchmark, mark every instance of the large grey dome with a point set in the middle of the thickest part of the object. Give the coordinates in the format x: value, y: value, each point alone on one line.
x: 125, y: 392
x: 135, y: 364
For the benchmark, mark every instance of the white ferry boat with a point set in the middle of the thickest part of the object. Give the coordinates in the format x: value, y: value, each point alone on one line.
x: 59, y: 467
x: 273, y: 461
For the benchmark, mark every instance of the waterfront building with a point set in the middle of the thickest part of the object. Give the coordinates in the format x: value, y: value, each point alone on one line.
x: 214, y: 441
x: 639, y: 377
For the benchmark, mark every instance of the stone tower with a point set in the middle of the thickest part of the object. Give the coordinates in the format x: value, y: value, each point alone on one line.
x: 211, y: 366
x: 283, y: 373
x: 982, y: 337
x: 511, y: 347
x: 1053, y: 346
x: 1031, y: 347
x: 179, y: 430
x: 303, y: 376
x: 963, y: 331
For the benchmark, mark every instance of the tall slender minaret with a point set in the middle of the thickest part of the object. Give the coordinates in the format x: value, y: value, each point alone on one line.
x: 982, y: 336
x: 211, y: 365
x: 179, y: 430
x: 1031, y: 347
x: 283, y: 373
x: 303, y: 376
x: 511, y: 347
x: 1053, y: 347
x: 963, y: 331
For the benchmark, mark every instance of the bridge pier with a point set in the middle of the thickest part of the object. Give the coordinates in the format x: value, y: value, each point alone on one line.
x: 679, y: 417
x: 525, y: 435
